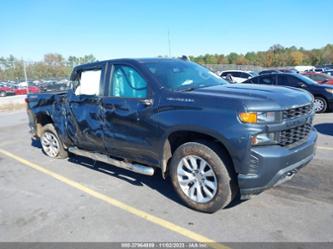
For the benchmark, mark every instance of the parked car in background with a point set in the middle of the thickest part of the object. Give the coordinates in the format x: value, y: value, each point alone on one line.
x: 6, y: 90
x: 24, y: 90
x: 323, y: 94
x: 237, y: 76
x: 53, y: 86
x: 329, y: 72
x: 320, y: 70
x: 304, y: 68
x: 321, y: 78
x: 282, y: 70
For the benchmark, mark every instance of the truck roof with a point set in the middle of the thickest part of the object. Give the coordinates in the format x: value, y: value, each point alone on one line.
x: 123, y: 60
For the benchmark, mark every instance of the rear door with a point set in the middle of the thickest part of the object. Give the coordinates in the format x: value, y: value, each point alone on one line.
x: 85, y: 117
x: 129, y: 131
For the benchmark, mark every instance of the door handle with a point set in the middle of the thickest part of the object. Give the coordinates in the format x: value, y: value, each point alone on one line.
x: 146, y: 102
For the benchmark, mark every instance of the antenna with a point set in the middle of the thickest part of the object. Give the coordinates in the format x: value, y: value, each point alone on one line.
x: 169, y: 43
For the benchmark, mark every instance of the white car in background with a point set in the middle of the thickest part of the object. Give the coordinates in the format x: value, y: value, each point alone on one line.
x: 237, y: 76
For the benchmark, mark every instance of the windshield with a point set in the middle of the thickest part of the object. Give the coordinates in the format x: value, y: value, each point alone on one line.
x: 319, y: 77
x: 182, y: 75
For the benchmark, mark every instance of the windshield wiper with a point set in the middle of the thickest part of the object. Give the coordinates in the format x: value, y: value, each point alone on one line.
x: 188, y: 88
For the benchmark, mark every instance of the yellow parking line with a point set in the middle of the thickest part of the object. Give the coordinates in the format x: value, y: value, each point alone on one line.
x: 324, y: 148
x: 146, y: 216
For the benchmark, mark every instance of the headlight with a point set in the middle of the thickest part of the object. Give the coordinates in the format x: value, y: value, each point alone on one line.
x: 264, y: 139
x: 260, y: 117
x: 330, y: 90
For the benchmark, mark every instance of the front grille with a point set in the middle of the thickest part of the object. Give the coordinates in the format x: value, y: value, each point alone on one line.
x: 294, y: 135
x: 297, y: 112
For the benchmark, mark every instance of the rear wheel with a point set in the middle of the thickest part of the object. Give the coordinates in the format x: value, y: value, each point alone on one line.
x: 51, y: 144
x: 320, y: 104
x: 201, y: 178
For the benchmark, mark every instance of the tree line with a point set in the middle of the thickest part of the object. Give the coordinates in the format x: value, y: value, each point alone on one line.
x: 275, y: 56
x: 55, y: 66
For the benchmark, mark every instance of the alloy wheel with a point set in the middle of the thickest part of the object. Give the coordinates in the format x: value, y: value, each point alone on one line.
x: 319, y: 105
x: 197, y: 179
x: 50, y: 144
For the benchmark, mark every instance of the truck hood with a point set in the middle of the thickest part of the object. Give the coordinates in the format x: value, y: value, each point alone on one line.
x: 258, y: 97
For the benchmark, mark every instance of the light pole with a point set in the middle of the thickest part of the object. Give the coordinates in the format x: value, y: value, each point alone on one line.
x: 25, y: 76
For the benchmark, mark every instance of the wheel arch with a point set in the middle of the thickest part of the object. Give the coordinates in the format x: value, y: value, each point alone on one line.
x: 178, y: 137
x: 42, y: 119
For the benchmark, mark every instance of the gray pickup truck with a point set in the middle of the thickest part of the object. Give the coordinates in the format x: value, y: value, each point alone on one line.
x: 212, y: 138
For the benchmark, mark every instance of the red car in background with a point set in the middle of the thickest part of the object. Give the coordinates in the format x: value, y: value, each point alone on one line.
x: 23, y: 90
x: 6, y: 90
x: 320, y: 78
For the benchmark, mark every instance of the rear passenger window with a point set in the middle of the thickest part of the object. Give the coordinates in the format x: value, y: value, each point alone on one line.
x: 244, y: 75
x: 127, y: 82
x: 267, y: 80
x: 288, y: 80
x: 236, y: 74
x: 283, y: 80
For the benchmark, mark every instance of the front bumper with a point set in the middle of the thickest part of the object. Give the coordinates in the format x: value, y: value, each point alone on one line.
x: 272, y: 165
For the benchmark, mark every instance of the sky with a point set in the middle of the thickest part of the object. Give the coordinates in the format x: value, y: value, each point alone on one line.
x: 139, y: 28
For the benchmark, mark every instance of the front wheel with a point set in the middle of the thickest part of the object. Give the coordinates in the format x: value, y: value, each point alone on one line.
x: 51, y: 144
x: 320, y: 104
x: 201, y: 178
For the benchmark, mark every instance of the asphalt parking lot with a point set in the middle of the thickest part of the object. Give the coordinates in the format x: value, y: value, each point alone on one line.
x: 48, y: 200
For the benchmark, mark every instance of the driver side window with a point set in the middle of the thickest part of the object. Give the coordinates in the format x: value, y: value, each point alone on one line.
x: 127, y: 82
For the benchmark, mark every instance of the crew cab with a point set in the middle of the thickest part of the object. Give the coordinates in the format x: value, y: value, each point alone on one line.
x: 212, y: 138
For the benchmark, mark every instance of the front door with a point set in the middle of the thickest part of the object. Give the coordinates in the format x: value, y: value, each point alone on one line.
x: 129, y: 131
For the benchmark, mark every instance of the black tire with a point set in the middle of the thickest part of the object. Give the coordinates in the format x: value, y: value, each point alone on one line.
x: 3, y: 94
x: 62, y: 153
x: 218, y: 162
x: 323, y: 104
